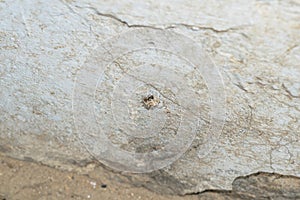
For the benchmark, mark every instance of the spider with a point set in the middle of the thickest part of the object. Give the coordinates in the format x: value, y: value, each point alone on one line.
x: 150, y: 101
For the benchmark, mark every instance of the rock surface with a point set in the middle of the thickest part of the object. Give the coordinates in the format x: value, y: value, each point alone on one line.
x: 255, y: 44
x: 259, y: 186
x: 28, y: 180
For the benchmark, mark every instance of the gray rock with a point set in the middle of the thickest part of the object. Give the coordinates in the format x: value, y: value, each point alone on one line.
x: 259, y: 186
x: 255, y: 45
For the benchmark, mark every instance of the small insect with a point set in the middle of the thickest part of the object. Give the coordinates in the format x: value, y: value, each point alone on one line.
x: 150, y: 101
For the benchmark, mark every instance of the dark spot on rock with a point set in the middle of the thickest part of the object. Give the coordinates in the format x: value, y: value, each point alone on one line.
x: 28, y: 159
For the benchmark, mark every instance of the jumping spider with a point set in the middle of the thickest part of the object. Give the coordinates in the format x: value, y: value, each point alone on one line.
x: 150, y: 101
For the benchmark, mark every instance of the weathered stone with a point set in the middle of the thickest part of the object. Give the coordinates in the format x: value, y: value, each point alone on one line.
x: 255, y: 45
x: 259, y: 186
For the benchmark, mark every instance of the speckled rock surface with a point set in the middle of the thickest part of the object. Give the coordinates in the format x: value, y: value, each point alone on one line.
x: 255, y: 45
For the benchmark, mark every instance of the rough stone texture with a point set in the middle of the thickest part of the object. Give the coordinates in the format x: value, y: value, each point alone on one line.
x: 255, y: 44
x: 28, y: 180
x: 259, y: 186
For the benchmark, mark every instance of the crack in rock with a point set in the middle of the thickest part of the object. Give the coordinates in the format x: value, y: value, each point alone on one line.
x: 159, y: 27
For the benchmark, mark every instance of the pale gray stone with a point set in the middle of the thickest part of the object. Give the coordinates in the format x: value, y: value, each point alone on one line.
x: 255, y: 45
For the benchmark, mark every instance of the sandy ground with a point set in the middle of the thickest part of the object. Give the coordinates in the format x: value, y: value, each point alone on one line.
x: 27, y: 180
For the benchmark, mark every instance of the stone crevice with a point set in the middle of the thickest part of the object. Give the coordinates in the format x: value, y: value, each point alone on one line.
x: 159, y: 27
